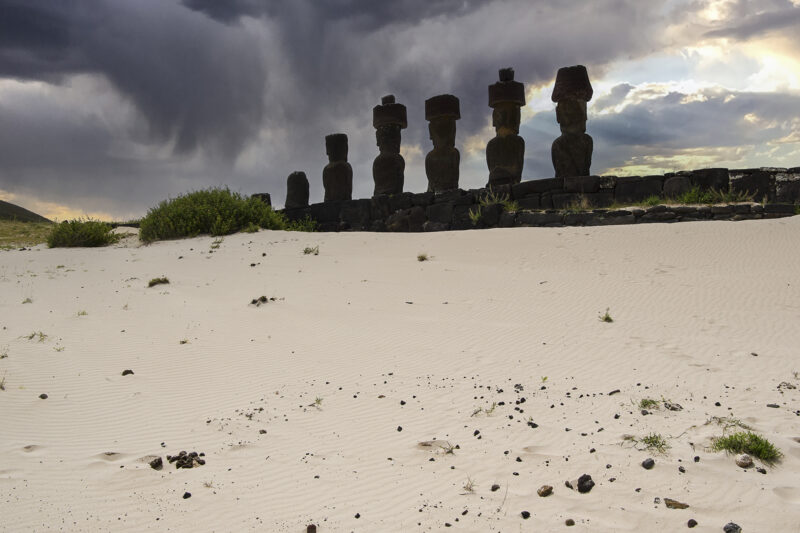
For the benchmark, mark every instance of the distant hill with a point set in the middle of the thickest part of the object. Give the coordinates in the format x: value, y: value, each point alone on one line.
x: 14, y: 212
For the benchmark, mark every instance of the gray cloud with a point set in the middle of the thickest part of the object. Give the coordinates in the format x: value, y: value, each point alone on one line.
x: 749, y: 19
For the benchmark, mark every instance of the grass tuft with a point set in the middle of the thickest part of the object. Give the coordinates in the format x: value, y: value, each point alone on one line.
x: 655, y: 441
x: 649, y: 403
x: 311, y: 250
x: 83, y: 233
x: 15, y: 233
x: 605, y: 317
x: 749, y: 443
x: 422, y: 257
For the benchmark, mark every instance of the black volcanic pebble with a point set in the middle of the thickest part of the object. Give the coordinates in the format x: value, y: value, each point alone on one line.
x: 585, y: 483
x: 495, y: 487
x: 648, y: 463
x: 773, y: 405
x: 696, y: 458
x: 156, y: 463
x: 570, y: 522
x: 127, y: 372
x: 732, y: 527
x: 187, y: 495
x: 43, y: 396
x: 399, y: 428
x: 525, y: 514
x: 692, y: 522
x: 311, y: 529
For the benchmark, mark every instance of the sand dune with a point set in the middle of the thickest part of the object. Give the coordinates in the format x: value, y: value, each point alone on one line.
x: 400, y: 352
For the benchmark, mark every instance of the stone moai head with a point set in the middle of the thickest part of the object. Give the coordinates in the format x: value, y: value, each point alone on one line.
x: 388, y: 119
x: 505, y: 98
x: 296, y: 190
x: 571, y: 92
x: 336, y: 147
x: 442, y: 111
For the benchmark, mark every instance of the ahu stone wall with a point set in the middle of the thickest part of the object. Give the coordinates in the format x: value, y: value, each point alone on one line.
x: 570, y: 201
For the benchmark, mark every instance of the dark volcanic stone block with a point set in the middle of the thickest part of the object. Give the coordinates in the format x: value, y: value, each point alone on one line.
x: 442, y: 213
x: 297, y: 214
x: 296, y: 190
x: 583, y: 184
x: 455, y: 197
x: 637, y: 189
x: 435, y: 226
x: 356, y: 213
x: 529, y: 202
x: 325, y: 212
x: 521, y: 190
x: 416, y: 219
x: 538, y: 219
x: 709, y: 178
x: 787, y: 188
x: 676, y: 186
x: 461, y: 219
x: 577, y: 219
x: 490, y: 214
x: 381, y: 207
x: 401, y: 201
x: 756, y: 182
x: 423, y: 198
x: 787, y: 209
x: 507, y: 220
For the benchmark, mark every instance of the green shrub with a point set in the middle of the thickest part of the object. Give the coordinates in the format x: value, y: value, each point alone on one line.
x: 78, y: 232
x: 712, y: 196
x: 749, y: 443
x: 304, y: 224
x: 215, y: 211
x: 163, y: 280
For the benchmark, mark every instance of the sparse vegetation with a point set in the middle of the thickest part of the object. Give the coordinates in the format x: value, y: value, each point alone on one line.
x: 304, y: 224
x: 15, y: 233
x: 422, y: 257
x: 578, y: 206
x: 475, y: 215
x: 652, y: 200
x: 81, y: 233
x: 163, y: 280
x: 448, y: 449
x: 544, y: 379
x: 649, y: 403
x: 469, y: 486
x: 749, y: 443
x: 606, y: 317
x: 3, y: 352
x: 214, y: 211
x: 727, y: 422
x: 215, y: 244
x: 184, y: 341
x: 316, y: 403
x: 3, y: 382
x: 652, y: 442
x: 251, y: 228
x: 27, y: 301
x: 82, y: 313
x: 38, y: 335
x: 492, y: 198
x: 309, y: 250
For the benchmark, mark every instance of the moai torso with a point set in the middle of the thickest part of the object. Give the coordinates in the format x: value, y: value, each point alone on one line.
x: 296, y: 190
x: 388, y: 169
x: 441, y: 163
x: 337, y: 176
x: 572, y: 151
x: 505, y: 154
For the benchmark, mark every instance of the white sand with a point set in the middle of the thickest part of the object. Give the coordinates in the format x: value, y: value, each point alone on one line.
x: 364, y: 326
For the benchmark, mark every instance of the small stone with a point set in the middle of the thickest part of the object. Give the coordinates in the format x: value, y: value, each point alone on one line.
x: 262, y: 431
x: 525, y: 514
x: 648, y: 463
x: 545, y: 491
x: 43, y: 396
x: 495, y: 487
x: 157, y: 463
x: 674, y: 504
x: 311, y: 529
x: 773, y: 405
x: 358, y: 515
x: 187, y: 495
x: 127, y: 372
x: 691, y: 523
x: 399, y: 428
x: 682, y: 470
x: 696, y: 458
x: 761, y: 470
x: 732, y: 527
x: 585, y: 483
x: 743, y: 460
x: 570, y: 522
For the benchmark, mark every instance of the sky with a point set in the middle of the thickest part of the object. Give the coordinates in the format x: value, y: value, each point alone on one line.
x: 108, y: 107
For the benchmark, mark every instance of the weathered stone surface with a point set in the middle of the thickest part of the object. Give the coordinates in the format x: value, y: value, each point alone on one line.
x: 422, y: 199
x: 787, y: 209
x: 507, y: 219
x: 529, y: 202
x: 435, y: 226
x: 732, y: 527
x: 441, y: 213
x: 381, y: 207
x: 676, y: 186
x: 581, y: 184
x: 578, y: 219
x: 582, y: 201
x: 296, y: 190
x: 709, y: 178
x: 637, y: 188
x: 442, y: 163
x: 505, y: 154
x: 356, y: 213
x: 787, y: 188
x: 264, y: 197
x: 337, y: 176
x: 297, y: 214
x: 538, y: 219
x: 461, y: 219
x: 572, y: 151
x: 585, y: 483
x: 545, y: 491
x: 535, y: 187
x: 388, y: 118
x: 756, y: 182
x: 455, y: 197
x: 324, y: 212
x: 490, y: 214
x: 401, y: 201
x: 675, y: 504
x: 744, y: 461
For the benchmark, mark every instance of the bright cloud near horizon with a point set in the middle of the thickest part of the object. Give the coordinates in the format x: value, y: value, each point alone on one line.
x: 108, y: 107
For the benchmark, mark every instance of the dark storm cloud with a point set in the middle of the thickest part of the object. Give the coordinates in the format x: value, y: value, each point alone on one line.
x: 176, y: 69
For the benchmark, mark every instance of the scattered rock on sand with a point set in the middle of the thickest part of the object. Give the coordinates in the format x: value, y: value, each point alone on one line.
x: 187, y: 460
x: 743, y: 460
x: 311, y: 529
x: 674, y: 504
x: 691, y: 523
x: 156, y: 463
x: 127, y: 372
x: 545, y: 491
x: 495, y: 487
x: 43, y: 396
x: 585, y: 483
x: 187, y: 495
x: 648, y: 463
x: 732, y: 527
x: 570, y: 522
x: 525, y: 514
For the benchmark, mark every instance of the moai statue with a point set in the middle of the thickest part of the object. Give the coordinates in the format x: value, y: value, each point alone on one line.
x: 387, y: 169
x: 296, y: 190
x: 441, y: 163
x: 572, y: 152
x: 505, y: 154
x: 337, y: 176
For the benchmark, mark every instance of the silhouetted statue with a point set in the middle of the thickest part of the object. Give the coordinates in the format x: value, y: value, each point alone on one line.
x: 505, y: 154
x: 337, y: 176
x: 387, y: 169
x: 572, y: 152
x: 441, y: 163
x: 296, y: 190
